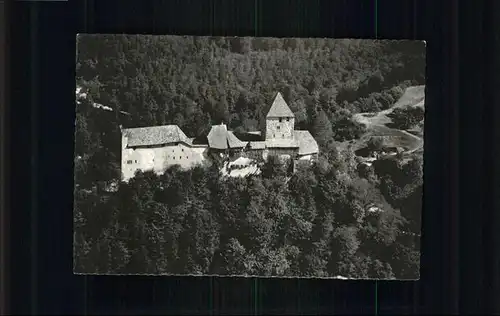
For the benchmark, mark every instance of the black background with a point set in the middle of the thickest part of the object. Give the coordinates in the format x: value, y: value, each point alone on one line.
x: 460, y: 245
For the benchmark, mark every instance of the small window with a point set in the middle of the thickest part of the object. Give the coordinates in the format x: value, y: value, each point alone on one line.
x: 280, y: 119
x: 278, y: 127
x: 173, y: 158
x: 288, y: 119
x: 182, y: 149
x: 186, y: 157
x: 180, y: 157
x: 283, y: 135
x: 129, y: 162
x: 136, y: 161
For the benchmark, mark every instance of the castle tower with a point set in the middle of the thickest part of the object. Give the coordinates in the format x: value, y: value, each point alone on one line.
x: 280, y: 120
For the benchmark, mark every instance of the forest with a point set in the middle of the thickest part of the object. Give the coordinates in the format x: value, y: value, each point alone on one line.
x: 336, y: 217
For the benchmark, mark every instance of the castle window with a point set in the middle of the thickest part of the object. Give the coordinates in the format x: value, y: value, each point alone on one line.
x: 280, y: 119
x: 129, y: 162
x: 136, y: 161
x: 287, y: 119
x: 173, y: 158
x: 278, y: 127
x: 283, y: 135
x: 180, y: 157
x: 182, y: 149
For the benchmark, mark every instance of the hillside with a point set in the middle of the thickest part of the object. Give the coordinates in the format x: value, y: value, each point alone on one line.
x: 379, y: 124
x: 332, y: 218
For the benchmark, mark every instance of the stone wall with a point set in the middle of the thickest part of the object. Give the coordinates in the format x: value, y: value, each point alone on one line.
x: 283, y: 153
x: 254, y: 153
x: 280, y: 130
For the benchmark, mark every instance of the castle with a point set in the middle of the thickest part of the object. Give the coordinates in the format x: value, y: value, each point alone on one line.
x: 158, y: 147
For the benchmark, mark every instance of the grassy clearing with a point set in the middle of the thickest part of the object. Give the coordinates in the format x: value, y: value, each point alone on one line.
x: 376, y: 124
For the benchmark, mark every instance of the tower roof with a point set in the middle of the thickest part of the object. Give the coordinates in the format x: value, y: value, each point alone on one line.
x: 279, y: 108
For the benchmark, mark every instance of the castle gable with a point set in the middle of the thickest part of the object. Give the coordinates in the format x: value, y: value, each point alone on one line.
x: 154, y: 135
x: 279, y: 108
x: 220, y: 138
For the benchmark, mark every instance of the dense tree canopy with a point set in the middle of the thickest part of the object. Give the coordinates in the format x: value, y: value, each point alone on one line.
x: 326, y: 219
x: 406, y: 118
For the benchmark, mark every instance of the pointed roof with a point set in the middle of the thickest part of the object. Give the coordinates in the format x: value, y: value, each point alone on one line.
x: 220, y: 138
x: 279, y: 108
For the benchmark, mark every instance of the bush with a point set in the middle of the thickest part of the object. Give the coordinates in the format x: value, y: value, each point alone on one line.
x: 344, y: 127
x: 375, y: 143
x: 396, y: 92
x: 406, y: 118
x: 378, y: 101
x: 365, y: 171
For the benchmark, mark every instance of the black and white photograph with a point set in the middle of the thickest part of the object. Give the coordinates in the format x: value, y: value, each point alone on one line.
x: 248, y: 156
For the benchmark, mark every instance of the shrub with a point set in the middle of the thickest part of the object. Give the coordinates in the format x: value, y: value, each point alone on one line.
x: 406, y: 118
x: 375, y: 143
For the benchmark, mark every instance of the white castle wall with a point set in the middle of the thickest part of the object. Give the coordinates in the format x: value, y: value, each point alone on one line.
x: 158, y: 159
